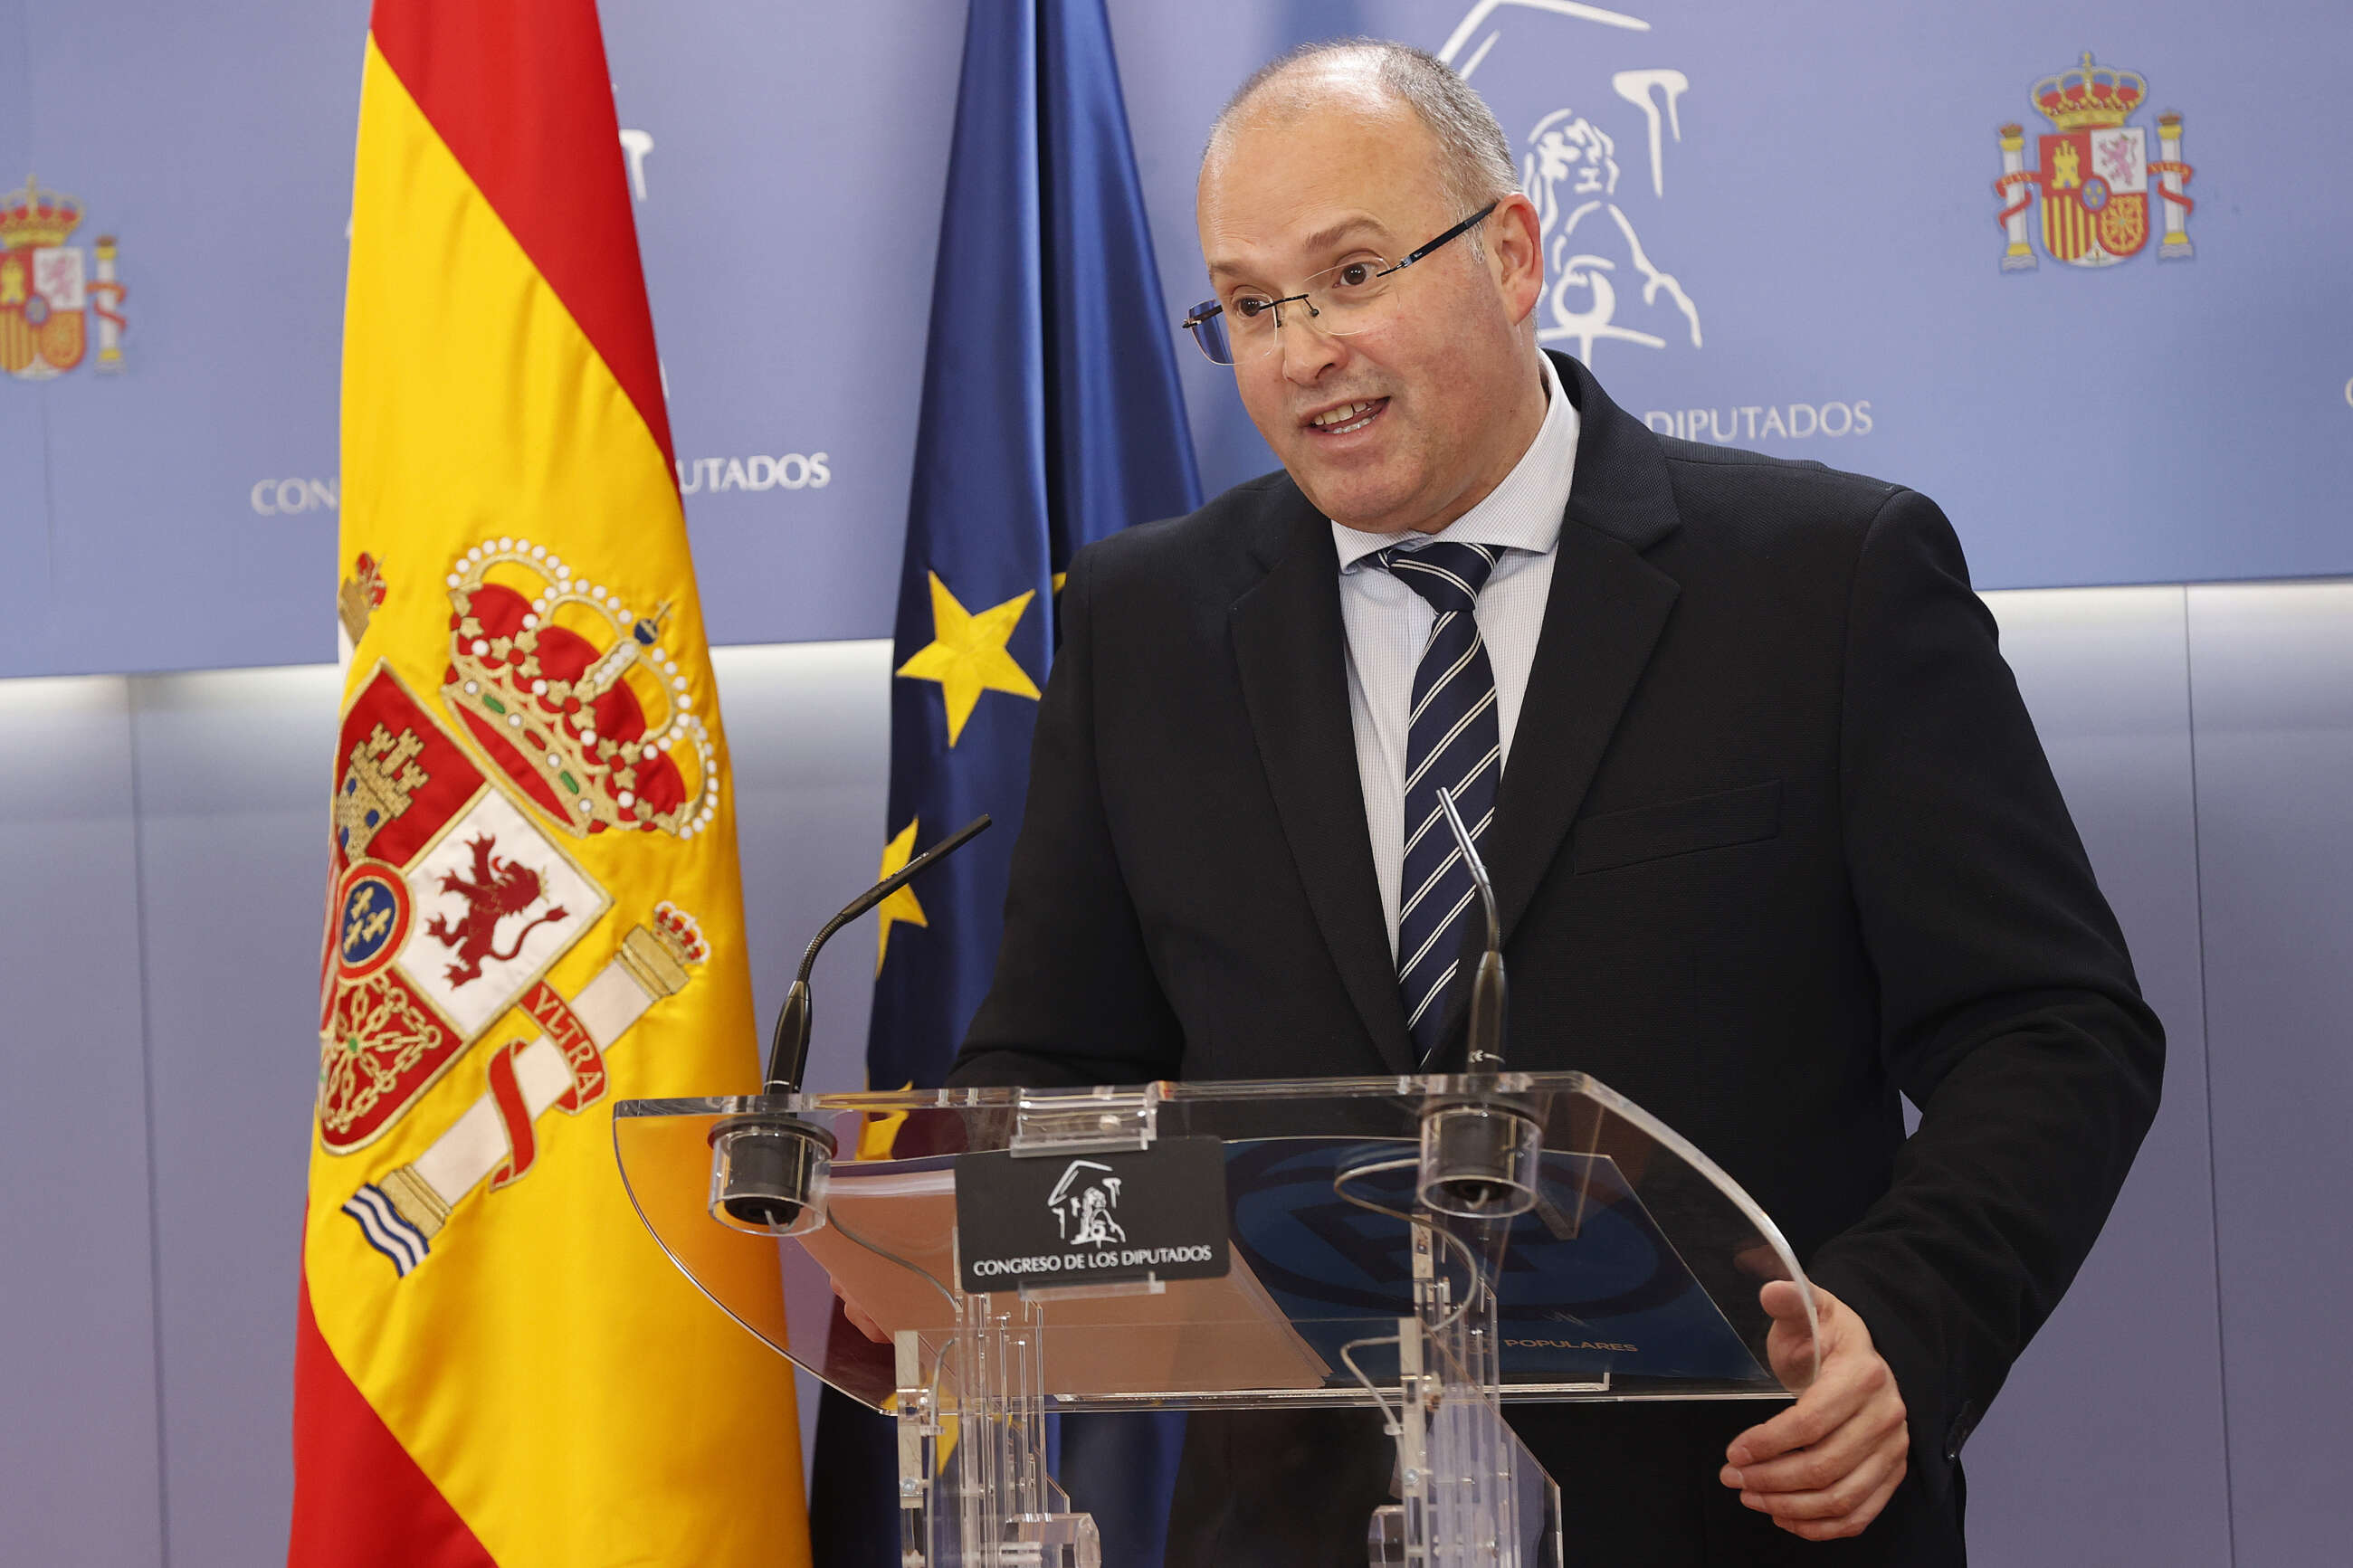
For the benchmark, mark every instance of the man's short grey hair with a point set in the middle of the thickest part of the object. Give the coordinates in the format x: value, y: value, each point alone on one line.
x: 1475, y: 161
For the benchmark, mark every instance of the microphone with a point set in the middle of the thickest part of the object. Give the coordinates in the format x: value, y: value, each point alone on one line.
x: 1479, y: 1150
x: 769, y: 1166
x: 1485, y: 1031
x: 788, y: 1046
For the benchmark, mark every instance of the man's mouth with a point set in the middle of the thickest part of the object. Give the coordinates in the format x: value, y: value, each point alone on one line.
x: 1347, y: 418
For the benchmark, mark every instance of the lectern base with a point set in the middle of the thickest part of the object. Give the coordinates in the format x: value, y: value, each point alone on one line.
x: 1053, y: 1540
x: 973, y: 1487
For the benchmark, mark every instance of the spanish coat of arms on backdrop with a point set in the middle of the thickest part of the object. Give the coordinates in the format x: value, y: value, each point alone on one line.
x: 2094, y: 176
x: 54, y: 297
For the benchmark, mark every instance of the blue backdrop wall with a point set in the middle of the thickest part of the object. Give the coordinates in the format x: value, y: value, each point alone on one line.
x: 1777, y: 225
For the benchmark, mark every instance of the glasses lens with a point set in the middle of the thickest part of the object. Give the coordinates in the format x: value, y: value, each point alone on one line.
x: 1348, y: 298
x: 1207, y: 324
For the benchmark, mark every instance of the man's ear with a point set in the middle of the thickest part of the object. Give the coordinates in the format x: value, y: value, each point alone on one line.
x: 1516, y: 250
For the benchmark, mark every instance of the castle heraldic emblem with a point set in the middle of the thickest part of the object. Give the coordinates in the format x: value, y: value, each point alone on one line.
x: 50, y: 292
x: 2094, y: 174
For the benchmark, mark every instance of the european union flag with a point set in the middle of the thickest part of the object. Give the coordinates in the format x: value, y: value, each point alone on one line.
x: 1051, y: 416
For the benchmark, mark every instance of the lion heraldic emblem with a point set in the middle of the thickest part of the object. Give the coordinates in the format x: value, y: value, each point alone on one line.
x: 2094, y: 173
x: 494, y: 889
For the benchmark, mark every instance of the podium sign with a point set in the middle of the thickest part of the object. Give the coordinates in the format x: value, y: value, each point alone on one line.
x: 1108, y: 1217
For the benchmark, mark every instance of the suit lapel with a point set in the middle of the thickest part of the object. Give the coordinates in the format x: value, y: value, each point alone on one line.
x: 1606, y: 608
x: 1291, y: 646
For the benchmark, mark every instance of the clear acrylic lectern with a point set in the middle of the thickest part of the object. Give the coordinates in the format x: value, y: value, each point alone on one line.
x: 1435, y: 1247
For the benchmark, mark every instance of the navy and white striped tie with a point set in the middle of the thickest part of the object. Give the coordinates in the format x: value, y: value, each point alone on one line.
x: 1453, y: 742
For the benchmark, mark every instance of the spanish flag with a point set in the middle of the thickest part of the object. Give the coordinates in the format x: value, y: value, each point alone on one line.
x: 534, y: 907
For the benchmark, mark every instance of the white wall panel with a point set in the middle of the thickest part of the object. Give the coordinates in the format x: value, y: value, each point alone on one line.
x: 233, y: 777
x: 2272, y: 682
x: 78, y: 1467
x: 2128, y: 1366
x: 810, y: 726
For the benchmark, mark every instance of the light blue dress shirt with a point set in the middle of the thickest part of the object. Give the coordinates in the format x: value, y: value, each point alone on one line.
x: 1388, y: 624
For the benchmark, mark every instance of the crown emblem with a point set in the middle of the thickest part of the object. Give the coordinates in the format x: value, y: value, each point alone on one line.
x: 680, y: 933
x: 662, y: 956
x: 574, y: 696
x: 360, y: 596
x: 2090, y: 97
x: 32, y: 218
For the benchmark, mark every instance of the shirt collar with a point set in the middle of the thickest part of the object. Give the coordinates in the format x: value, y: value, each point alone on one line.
x: 1523, y: 512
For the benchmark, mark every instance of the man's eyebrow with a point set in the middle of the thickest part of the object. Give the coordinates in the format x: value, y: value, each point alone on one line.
x: 1324, y: 239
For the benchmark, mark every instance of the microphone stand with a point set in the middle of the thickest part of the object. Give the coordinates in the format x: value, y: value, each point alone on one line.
x: 769, y: 1167
x: 788, y: 1046
x: 1488, y: 1000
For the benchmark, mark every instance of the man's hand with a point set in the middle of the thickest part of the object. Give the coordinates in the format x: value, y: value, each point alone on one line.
x: 863, y: 1321
x: 1825, y: 1467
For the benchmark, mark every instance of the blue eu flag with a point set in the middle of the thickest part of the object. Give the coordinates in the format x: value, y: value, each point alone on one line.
x: 1051, y: 417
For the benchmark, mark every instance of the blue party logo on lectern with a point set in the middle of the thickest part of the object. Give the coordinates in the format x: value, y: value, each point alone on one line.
x: 2094, y: 174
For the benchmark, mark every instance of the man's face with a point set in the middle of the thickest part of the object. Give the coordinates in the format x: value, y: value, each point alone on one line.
x: 1445, y: 366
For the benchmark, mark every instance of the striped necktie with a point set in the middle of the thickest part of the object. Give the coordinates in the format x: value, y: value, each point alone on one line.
x: 1454, y: 742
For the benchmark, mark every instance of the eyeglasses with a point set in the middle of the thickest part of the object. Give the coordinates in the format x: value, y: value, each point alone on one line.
x: 1339, y: 300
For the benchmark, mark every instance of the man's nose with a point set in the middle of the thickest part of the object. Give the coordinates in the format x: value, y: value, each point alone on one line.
x: 1307, y: 349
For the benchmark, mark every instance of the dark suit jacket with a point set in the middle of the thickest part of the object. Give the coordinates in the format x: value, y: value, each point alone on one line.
x: 1776, y: 844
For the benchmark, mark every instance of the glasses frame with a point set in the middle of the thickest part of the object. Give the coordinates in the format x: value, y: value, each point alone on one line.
x: 1208, y: 310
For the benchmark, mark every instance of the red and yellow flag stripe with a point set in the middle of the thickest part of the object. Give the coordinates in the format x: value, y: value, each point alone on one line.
x: 540, y: 1389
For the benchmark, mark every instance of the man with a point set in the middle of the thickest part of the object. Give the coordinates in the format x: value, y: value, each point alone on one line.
x: 1774, y: 839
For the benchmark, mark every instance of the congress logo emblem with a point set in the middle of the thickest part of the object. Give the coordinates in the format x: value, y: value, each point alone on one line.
x: 1082, y: 1203
x: 1594, y: 165
x: 2094, y: 174
x: 52, y: 294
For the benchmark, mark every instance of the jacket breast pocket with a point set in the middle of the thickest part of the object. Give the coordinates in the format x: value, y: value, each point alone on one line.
x: 1643, y: 832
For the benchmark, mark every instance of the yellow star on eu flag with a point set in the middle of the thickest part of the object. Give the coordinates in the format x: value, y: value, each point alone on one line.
x: 880, y: 1128
x: 900, y: 905
x: 967, y: 654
